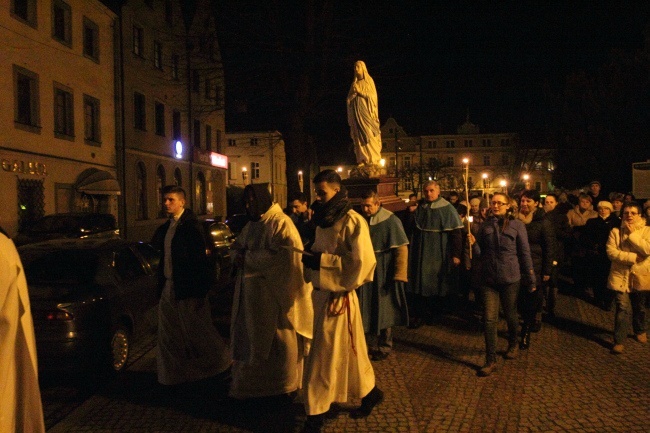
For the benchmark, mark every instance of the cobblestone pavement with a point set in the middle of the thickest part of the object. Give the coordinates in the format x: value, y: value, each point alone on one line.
x: 566, y: 381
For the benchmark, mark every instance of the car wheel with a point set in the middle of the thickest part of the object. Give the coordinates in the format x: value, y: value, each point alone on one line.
x: 120, y: 345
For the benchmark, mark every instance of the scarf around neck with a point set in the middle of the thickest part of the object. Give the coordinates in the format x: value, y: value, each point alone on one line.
x: 326, y: 214
x: 626, y: 229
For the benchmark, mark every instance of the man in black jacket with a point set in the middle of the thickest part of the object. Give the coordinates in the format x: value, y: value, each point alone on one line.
x: 189, y: 346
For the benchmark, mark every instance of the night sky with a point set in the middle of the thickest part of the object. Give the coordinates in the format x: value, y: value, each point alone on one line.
x: 432, y: 62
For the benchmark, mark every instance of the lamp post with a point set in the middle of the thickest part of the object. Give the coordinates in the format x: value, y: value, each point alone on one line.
x: 396, y: 174
x: 300, y: 180
x: 466, y: 162
x: 504, y: 184
x: 421, y: 166
x: 485, y: 182
x: 244, y: 174
x: 526, y: 178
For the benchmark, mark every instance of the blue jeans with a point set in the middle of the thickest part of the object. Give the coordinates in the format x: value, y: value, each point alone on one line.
x: 629, y: 305
x: 506, y: 296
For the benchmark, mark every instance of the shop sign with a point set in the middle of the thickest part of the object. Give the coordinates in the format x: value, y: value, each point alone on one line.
x: 25, y: 167
x: 211, y: 158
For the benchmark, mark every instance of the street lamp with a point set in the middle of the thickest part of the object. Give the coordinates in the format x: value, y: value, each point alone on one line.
x: 526, y: 178
x: 466, y: 162
x: 244, y: 174
x: 485, y: 182
x: 503, y: 184
x: 300, y: 179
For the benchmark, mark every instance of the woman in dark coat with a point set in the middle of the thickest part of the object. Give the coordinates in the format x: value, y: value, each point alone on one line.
x: 501, y: 245
x: 594, y: 241
x: 541, y: 239
x: 563, y: 236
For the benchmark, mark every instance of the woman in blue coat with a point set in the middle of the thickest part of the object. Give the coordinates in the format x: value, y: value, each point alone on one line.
x: 501, y: 246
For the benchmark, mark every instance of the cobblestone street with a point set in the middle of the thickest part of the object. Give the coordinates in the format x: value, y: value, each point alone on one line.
x: 566, y: 381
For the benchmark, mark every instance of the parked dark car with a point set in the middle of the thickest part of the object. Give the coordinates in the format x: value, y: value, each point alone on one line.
x: 91, y: 299
x: 218, y: 239
x: 69, y: 226
x: 237, y: 222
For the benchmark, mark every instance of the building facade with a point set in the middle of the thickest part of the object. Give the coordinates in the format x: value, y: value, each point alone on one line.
x: 173, y: 105
x: 57, y: 117
x: 493, y: 161
x: 258, y: 157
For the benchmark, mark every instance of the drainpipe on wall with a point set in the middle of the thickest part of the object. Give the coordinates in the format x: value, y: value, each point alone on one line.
x: 120, y: 146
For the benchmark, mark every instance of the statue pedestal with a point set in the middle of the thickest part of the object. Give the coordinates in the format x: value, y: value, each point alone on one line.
x: 384, y: 187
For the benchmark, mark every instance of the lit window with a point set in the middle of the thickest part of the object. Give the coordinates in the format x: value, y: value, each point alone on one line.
x: 255, y: 170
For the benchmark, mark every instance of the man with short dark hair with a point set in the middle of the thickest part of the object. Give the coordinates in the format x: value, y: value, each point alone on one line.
x: 341, y: 260
x: 189, y: 346
x: 383, y: 301
x: 595, y: 193
x: 301, y: 215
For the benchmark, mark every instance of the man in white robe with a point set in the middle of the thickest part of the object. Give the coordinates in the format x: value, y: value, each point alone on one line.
x: 272, y: 315
x: 338, y: 367
x: 21, y: 409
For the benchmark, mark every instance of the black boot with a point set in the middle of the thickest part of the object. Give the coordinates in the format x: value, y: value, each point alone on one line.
x: 374, y: 397
x: 525, y: 337
x: 314, y: 423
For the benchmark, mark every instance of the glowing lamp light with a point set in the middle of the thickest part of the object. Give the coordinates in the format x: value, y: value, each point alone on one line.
x: 503, y: 183
x: 526, y: 176
x: 382, y: 162
x: 340, y: 169
x: 178, y: 147
x: 485, y: 175
x: 465, y: 161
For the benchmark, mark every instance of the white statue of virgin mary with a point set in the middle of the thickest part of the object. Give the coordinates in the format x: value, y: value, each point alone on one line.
x: 363, y: 117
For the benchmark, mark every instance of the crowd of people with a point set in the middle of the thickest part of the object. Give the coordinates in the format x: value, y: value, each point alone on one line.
x: 320, y: 287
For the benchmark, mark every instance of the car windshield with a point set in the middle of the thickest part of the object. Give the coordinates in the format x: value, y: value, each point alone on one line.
x: 60, y: 267
x: 55, y: 224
